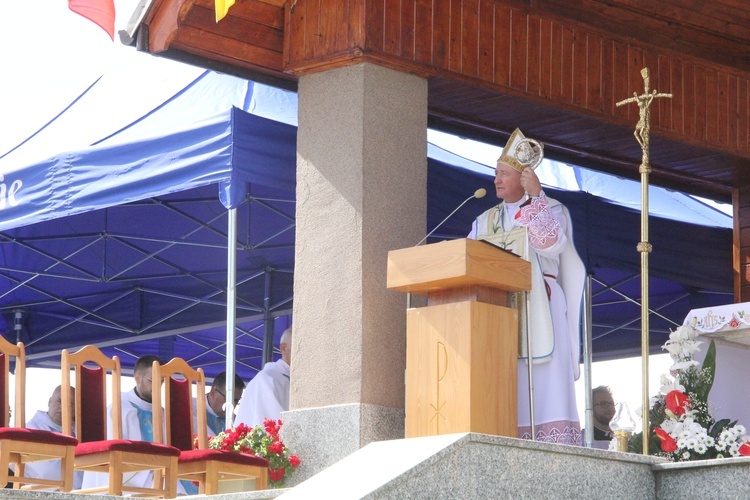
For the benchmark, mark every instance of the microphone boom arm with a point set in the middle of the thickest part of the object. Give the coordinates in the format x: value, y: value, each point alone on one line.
x: 479, y: 193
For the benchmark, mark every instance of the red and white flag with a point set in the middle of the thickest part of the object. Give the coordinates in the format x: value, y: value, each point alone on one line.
x: 100, y: 12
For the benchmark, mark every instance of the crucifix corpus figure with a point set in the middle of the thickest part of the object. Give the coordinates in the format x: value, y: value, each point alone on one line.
x: 643, y: 127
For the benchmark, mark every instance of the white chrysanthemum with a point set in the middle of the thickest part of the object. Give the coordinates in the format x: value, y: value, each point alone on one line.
x: 701, y: 448
x: 685, y: 433
x: 686, y: 455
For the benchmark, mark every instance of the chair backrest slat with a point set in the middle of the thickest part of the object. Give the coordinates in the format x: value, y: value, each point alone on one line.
x: 179, y: 380
x: 12, y: 352
x: 4, y: 396
x: 93, y: 422
x: 181, y: 406
x: 91, y: 368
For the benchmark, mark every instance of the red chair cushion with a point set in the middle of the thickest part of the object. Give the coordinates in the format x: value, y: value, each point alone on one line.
x: 36, y: 436
x: 222, y: 456
x: 128, y: 446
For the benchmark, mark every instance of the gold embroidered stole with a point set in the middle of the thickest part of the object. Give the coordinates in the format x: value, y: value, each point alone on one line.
x: 539, y: 316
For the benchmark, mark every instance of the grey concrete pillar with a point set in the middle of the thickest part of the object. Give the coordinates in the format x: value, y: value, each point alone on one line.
x: 361, y: 191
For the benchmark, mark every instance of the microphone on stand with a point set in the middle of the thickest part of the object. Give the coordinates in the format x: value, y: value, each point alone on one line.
x: 479, y: 193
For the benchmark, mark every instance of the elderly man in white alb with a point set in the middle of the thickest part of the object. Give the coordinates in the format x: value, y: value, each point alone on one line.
x: 267, y: 394
x: 51, y: 420
x: 555, y: 297
x: 137, y: 424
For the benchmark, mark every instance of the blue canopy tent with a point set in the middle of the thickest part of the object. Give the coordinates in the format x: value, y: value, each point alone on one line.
x: 79, y: 267
x: 138, y: 262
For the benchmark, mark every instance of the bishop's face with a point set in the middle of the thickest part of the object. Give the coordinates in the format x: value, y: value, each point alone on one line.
x: 508, y: 183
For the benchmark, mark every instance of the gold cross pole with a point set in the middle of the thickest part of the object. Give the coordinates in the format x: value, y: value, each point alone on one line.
x: 642, y: 130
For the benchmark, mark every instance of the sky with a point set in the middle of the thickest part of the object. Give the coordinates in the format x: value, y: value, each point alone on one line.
x: 48, y: 58
x: 51, y: 57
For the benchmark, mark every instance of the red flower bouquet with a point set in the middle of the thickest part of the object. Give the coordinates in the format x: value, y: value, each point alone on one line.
x: 262, y: 441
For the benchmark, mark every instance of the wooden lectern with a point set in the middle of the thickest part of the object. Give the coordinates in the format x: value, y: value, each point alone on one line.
x: 462, y: 348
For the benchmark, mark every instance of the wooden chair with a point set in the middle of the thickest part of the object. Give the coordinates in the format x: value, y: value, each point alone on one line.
x: 18, y: 445
x: 204, y: 466
x: 96, y: 451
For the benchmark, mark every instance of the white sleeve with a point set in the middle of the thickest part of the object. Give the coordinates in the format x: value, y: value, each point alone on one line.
x: 543, y: 227
x: 473, y: 233
x: 259, y: 401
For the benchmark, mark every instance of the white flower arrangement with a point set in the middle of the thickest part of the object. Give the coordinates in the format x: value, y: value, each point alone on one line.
x: 682, y: 428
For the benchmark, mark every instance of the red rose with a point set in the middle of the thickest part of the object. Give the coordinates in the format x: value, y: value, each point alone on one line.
x: 677, y: 402
x: 745, y: 449
x: 668, y: 444
x: 276, y: 474
x: 734, y: 323
x: 294, y: 460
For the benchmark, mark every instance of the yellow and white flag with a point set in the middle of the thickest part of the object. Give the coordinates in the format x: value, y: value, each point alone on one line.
x: 222, y: 7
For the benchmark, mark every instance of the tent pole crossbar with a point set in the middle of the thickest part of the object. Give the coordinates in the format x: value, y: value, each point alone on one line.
x: 86, y: 312
x: 154, y: 256
x: 281, y: 303
x: 7, y: 238
x: 613, y: 286
x: 74, y: 320
x: 55, y: 261
x: 262, y: 203
x: 177, y: 312
x: 217, y: 246
x: 43, y: 274
x: 653, y: 311
x: 81, y: 319
x: 279, y: 233
x: 201, y: 224
x: 198, y: 300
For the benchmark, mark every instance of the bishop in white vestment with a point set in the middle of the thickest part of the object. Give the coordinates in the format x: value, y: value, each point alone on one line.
x: 557, y: 287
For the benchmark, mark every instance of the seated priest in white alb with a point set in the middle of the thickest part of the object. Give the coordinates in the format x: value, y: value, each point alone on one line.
x: 51, y: 420
x: 267, y: 394
x: 216, y: 400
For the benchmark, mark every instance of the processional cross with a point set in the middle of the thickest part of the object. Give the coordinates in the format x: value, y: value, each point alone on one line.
x: 642, y: 130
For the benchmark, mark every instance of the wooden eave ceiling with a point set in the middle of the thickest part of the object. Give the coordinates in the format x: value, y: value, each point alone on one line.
x: 705, y: 150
